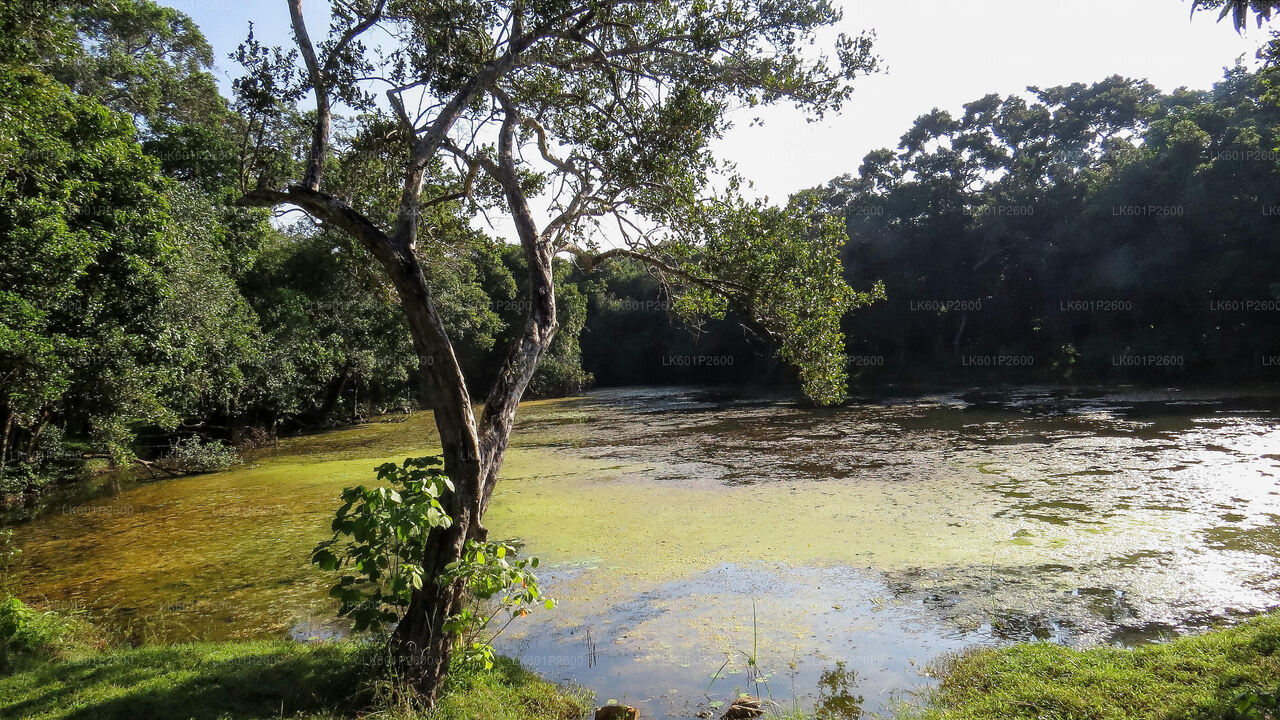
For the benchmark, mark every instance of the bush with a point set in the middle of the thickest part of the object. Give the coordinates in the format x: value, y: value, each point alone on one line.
x: 21, y: 479
x: 388, y: 529
x: 193, y: 455
x: 30, y: 634
x: 558, y: 377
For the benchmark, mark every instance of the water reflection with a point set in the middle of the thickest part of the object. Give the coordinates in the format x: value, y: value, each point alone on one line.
x: 836, y: 700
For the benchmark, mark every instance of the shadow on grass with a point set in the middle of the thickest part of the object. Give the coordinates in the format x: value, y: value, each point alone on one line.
x: 196, y: 682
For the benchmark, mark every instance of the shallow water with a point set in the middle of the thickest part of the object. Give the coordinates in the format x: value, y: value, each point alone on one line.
x: 685, y: 530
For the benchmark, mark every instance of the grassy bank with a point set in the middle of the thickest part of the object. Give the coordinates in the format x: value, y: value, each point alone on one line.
x: 1228, y: 674
x: 251, y: 680
x: 59, y: 670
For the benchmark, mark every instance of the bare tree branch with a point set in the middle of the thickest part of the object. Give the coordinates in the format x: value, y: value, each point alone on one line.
x: 320, y: 130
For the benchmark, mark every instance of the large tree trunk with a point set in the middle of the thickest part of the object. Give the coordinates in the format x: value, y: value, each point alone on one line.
x: 422, y: 647
x: 473, y: 451
x: 473, y: 454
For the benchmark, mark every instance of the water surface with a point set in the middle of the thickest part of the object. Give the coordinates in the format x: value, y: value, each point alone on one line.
x: 686, y: 530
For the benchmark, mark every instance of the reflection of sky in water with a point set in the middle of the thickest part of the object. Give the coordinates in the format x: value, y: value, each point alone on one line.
x: 833, y: 638
x: 872, y: 537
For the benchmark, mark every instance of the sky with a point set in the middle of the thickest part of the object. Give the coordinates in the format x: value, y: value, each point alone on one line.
x: 936, y: 53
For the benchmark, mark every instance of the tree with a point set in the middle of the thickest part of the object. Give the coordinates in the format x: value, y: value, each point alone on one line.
x: 140, y: 58
x: 616, y: 102
x: 1083, y: 222
x: 1238, y: 10
x: 83, y: 257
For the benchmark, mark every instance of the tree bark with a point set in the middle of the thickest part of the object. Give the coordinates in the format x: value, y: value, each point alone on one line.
x: 420, y: 640
x: 4, y: 443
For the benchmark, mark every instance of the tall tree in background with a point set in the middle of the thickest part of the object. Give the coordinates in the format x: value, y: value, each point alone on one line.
x: 604, y: 110
x: 993, y: 229
x: 83, y: 254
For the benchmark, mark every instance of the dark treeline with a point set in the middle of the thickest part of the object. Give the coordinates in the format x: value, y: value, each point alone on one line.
x: 1087, y: 232
x: 1105, y: 231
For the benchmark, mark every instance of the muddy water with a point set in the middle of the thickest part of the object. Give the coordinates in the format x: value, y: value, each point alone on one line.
x: 686, y: 531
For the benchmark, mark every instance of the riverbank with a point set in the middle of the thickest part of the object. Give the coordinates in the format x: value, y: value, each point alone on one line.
x: 898, y: 531
x: 59, y: 676
x: 1225, y: 674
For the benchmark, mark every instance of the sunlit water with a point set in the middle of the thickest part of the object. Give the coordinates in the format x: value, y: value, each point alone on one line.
x: 685, y: 531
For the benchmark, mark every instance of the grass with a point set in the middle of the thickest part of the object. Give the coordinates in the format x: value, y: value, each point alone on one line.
x: 1228, y: 674
x: 30, y: 635
x: 253, y: 680
x: 201, y: 681
x: 58, y: 676
x: 509, y: 692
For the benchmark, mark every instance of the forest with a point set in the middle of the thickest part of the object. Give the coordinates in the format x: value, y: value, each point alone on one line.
x: 1046, y: 323
x: 1103, y: 232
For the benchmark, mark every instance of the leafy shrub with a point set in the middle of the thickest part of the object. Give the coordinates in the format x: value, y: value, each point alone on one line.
x: 23, y: 478
x: 39, y: 634
x: 389, y: 527
x: 558, y: 377
x: 1256, y: 705
x: 497, y: 585
x: 193, y: 455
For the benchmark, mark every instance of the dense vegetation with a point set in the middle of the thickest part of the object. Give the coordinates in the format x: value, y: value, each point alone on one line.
x: 1084, y: 232
x: 1105, y: 231
x: 1089, y: 232
x: 142, y: 312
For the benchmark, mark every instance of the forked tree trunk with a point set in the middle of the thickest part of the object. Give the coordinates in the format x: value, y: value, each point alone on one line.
x: 420, y: 644
x: 473, y: 450
x: 473, y: 454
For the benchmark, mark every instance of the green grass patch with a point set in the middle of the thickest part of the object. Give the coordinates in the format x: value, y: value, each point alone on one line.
x: 509, y: 692
x: 1228, y: 674
x: 200, y: 681
x: 252, y: 680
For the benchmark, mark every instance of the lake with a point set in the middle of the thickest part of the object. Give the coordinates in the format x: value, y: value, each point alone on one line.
x: 685, y: 530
